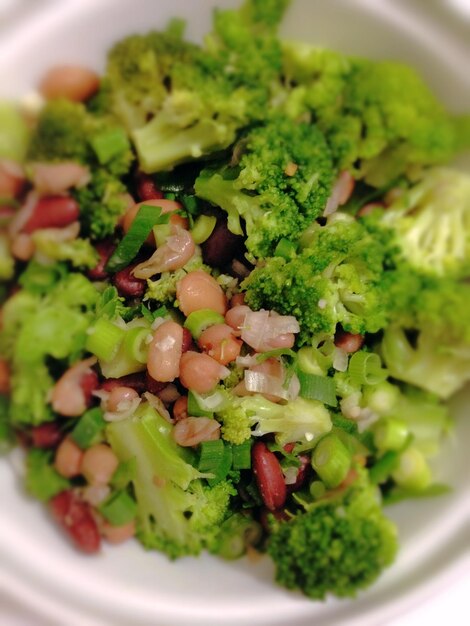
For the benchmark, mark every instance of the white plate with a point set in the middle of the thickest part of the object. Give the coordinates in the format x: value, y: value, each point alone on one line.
x: 126, y: 585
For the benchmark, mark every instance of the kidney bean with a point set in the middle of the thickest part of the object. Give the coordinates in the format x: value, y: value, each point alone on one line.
x: 76, y: 518
x: 4, y: 377
x: 221, y: 246
x: 46, y: 435
x: 302, y: 474
x: 146, y: 188
x: 188, y: 343
x: 348, y: 341
x: 89, y: 383
x: 127, y: 284
x: 134, y: 381
x: 105, y: 249
x: 269, y: 476
x: 73, y: 82
x: 52, y: 212
x: 152, y: 385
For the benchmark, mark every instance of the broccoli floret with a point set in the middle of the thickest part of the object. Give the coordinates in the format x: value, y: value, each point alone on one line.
x: 36, y: 329
x: 427, y: 343
x: 78, y: 251
x: 431, y: 222
x: 278, y: 186
x: 177, y: 513
x: 337, y: 545
x: 380, y: 118
x: 182, y: 102
x: 338, y: 278
x: 67, y: 132
x: 299, y: 420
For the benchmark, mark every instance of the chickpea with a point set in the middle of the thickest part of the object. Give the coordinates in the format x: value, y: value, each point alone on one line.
x: 219, y: 342
x: 98, y: 464
x: 199, y: 290
x: 68, y: 458
x: 72, y: 82
x: 120, y: 398
x: 165, y: 351
x: 199, y: 372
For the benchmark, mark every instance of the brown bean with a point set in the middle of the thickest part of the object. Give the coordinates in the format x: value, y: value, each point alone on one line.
x: 200, y: 372
x: 12, y: 179
x: 348, y: 341
x: 73, y: 82
x: 4, y: 377
x: 118, y: 396
x: 221, y: 246
x: 127, y: 284
x: 68, y: 458
x: 165, y: 351
x: 153, y: 386
x: 98, y: 464
x: 46, y: 435
x: 134, y: 381
x: 199, y: 290
x: 219, y: 342
x: 269, y: 476
x: 191, y: 431
x: 22, y: 247
x: 89, y: 383
x: 52, y: 212
x: 105, y: 249
x: 71, y: 395
x: 180, y: 408
x: 76, y: 518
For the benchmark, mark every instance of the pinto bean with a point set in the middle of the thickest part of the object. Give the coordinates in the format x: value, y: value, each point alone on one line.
x: 235, y: 317
x: 46, y: 435
x: 237, y: 299
x: 22, y: 247
x: 146, y: 188
x: 200, y: 372
x: 73, y: 82
x: 105, y: 249
x: 98, y: 464
x: 180, y: 408
x: 118, y: 534
x: 165, y: 351
x: 221, y: 245
x: 269, y: 476
x: 199, y: 290
x: 118, y: 396
x: 72, y: 393
x: 68, y: 458
x: 348, y: 341
x: 76, y: 518
x: 219, y: 342
x: 191, y: 431
x: 52, y: 212
x: 169, y: 394
x: 127, y: 284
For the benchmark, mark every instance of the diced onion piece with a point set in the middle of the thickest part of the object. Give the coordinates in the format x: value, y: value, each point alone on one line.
x: 261, y: 327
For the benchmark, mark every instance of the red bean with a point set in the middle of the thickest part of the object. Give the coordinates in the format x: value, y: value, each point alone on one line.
x: 348, y: 341
x: 180, y: 408
x: 76, y: 518
x: 221, y: 246
x: 105, y: 249
x: 46, y: 435
x: 134, y: 381
x: 269, y: 476
x: 302, y: 474
x: 188, y: 343
x: 127, y: 284
x: 89, y: 383
x: 52, y: 212
x: 152, y: 385
x: 4, y: 377
x: 146, y: 188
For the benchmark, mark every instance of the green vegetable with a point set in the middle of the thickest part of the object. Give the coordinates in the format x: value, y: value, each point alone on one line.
x: 119, y: 509
x: 7, y: 262
x: 331, y: 460
x: 337, y: 546
x: 198, y: 321
x: 145, y: 219
x: 313, y: 387
x: 365, y: 368
x: 241, y: 455
x: 104, y: 339
x: 14, y: 133
x: 203, y: 227
x: 42, y: 481
x: 211, y: 455
x: 89, y: 428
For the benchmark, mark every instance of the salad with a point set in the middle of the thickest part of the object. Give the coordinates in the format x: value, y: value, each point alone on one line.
x: 234, y: 297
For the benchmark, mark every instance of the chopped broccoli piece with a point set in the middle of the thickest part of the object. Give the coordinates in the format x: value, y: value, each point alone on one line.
x: 338, y: 278
x: 42, y: 481
x: 78, y: 251
x: 260, y: 190
x: 177, y: 513
x: 336, y: 545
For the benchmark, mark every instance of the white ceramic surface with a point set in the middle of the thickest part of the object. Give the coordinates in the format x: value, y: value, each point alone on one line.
x: 126, y: 585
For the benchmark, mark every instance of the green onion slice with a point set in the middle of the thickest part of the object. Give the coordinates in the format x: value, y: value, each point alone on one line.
x: 146, y: 218
x: 313, y: 387
x: 241, y: 455
x: 119, y: 508
x: 88, y: 428
x: 203, y: 227
x: 198, y: 321
x: 331, y: 460
x: 135, y: 343
x: 104, y: 339
x: 211, y: 456
x: 365, y: 368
